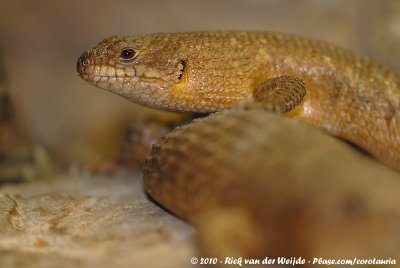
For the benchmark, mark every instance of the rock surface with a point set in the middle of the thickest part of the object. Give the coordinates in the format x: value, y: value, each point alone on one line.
x: 82, y: 221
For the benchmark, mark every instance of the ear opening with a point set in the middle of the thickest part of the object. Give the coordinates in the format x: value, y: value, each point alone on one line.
x: 182, y: 69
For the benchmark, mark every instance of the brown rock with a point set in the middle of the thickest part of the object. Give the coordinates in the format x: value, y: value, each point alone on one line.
x: 87, y: 222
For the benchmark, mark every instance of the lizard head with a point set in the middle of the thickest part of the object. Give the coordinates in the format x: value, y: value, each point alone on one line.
x: 142, y: 69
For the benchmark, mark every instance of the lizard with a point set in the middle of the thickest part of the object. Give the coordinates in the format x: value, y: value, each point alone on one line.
x: 346, y: 94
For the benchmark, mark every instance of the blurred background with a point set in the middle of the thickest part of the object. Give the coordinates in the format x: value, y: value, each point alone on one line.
x: 75, y: 121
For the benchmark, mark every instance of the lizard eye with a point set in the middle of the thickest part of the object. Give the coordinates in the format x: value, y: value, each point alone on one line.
x: 127, y: 54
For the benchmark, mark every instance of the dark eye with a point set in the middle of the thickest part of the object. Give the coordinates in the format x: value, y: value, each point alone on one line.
x: 128, y: 53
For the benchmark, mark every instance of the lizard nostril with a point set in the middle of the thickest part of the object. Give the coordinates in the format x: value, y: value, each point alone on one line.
x: 83, y: 61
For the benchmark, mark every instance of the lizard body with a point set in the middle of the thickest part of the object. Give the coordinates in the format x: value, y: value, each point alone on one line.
x: 255, y: 183
x: 348, y: 95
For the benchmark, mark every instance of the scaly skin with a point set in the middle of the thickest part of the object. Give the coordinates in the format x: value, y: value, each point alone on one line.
x: 348, y: 95
x: 257, y: 184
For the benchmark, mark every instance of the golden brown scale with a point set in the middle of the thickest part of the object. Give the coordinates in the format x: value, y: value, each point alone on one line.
x: 257, y: 184
x: 276, y: 186
x: 347, y: 95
